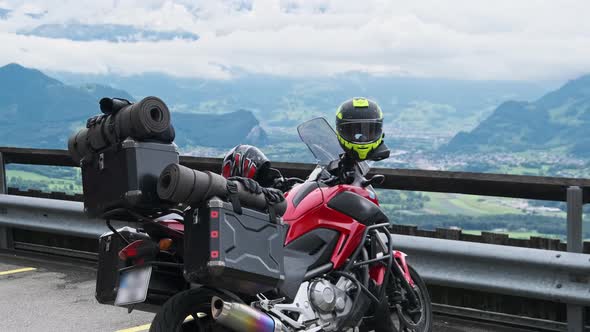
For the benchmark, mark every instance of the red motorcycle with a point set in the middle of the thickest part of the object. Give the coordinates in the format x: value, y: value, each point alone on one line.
x: 231, y: 263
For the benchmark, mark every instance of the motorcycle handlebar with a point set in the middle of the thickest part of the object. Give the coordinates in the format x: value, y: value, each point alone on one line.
x: 180, y: 184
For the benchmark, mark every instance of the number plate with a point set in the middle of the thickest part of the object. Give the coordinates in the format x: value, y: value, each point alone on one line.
x: 133, y: 286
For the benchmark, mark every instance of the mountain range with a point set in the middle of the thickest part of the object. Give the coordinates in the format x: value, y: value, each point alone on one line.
x: 412, y: 106
x: 39, y: 111
x: 558, y: 121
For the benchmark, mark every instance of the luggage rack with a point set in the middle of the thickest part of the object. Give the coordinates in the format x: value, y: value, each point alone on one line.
x: 138, y: 217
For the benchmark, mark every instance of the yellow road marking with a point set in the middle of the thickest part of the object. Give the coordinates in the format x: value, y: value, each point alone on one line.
x: 147, y: 326
x: 24, y: 269
x: 137, y: 328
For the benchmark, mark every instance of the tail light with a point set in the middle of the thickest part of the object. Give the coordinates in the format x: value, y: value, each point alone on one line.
x: 139, y: 249
x: 165, y: 243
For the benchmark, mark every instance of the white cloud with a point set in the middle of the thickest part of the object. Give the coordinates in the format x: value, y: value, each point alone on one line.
x: 524, y: 39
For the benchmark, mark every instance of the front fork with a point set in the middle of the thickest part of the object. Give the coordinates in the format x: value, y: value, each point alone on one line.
x: 400, y: 270
x: 398, y: 265
x: 399, y: 260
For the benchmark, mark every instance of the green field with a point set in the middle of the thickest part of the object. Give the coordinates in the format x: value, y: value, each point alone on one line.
x: 11, y: 174
x: 25, y: 180
x: 516, y: 235
x: 472, y: 205
x: 519, y: 218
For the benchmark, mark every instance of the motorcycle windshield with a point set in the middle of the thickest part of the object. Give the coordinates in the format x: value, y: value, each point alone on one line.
x: 321, y: 140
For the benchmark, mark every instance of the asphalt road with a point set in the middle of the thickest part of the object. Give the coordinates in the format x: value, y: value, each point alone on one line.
x: 49, y: 295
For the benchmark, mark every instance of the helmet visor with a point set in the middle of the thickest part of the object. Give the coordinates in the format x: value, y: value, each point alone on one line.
x: 356, y: 131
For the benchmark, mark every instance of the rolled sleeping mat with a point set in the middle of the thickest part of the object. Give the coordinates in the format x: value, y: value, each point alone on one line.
x: 167, y: 136
x: 78, y: 145
x: 146, y: 118
x: 180, y: 184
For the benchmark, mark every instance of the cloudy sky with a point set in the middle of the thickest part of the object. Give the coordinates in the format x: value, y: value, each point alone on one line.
x: 513, y: 40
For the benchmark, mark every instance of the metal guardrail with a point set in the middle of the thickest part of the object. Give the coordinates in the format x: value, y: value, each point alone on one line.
x: 540, y: 274
x: 516, y: 271
x: 51, y: 216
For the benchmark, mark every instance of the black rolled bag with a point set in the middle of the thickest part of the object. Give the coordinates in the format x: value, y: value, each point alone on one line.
x: 128, y: 160
x: 148, y: 119
x: 182, y: 185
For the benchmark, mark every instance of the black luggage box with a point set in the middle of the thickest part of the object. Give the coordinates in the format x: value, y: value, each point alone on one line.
x: 109, y: 264
x: 163, y: 282
x: 125, y: 175
x: 239, y: 252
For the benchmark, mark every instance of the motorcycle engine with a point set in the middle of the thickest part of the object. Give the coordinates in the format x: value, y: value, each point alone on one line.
x: 319, y: 305
x: 331, y: 302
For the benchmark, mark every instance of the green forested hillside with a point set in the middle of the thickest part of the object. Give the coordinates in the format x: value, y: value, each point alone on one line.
x: 558, y: 121
x: 39, y: 111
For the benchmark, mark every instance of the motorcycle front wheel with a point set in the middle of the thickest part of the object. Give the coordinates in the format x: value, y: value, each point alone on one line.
x: 189, y: 310
x: 395, y: 314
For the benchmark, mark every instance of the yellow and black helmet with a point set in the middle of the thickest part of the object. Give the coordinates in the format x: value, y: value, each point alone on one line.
x: 359, y: 126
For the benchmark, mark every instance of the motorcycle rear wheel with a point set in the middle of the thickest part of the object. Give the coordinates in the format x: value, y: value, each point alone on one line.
x: 388, y: 319
x: 189, y: 310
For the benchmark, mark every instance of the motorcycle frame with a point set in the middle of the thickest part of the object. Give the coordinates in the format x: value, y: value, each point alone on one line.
x: 352, y: 239
x: 394, y: 262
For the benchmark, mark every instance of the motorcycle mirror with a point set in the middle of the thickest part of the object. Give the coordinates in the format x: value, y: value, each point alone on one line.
x: 375, y: 179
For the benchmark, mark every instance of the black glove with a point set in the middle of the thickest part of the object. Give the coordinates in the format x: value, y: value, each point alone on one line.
x: 272, y: 195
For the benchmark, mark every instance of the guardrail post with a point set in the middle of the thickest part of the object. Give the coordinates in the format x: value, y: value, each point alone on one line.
x: 575, y: 313
x: 5, y: 233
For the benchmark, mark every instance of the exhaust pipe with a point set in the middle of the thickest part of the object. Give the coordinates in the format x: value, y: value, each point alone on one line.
x: 243, y: 318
